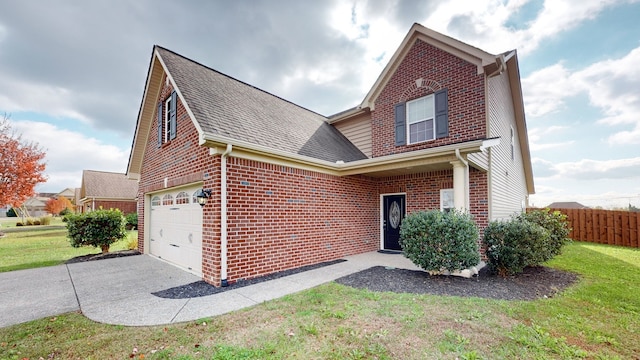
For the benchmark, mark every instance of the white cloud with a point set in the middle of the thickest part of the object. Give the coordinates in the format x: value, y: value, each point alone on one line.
x: 611, y: 85
x: 538, y: 135
x: 587, y: 169
x: 20, y: 95
x: 69, y: 152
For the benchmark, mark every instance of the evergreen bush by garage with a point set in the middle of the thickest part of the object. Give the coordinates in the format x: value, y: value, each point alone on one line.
x: 436, y: 241
x: 99, y: 228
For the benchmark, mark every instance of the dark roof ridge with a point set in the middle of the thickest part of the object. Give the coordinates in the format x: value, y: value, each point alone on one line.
x: 238, y: 80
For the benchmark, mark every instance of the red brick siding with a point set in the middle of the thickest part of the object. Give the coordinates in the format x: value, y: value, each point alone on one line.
x: 282, y: 218
x: 466, y: 94
x: 125, y: 206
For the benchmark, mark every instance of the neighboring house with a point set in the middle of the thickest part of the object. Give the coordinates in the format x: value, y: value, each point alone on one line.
x: 442, y: 127
x: 107, y: 190
x: 69, y: 193
x: 36, y: 205
x: 567, y: 205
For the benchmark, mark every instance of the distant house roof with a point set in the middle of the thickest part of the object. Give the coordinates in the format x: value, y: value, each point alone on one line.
x: 69, y: 193
x: 227, y: 107
x: 107, y: 185
x: 567, y: 205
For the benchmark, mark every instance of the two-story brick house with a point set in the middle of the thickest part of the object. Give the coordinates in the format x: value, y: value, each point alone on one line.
x: 442, y: 127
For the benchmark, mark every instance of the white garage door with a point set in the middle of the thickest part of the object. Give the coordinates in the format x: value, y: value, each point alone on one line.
x: 176, y: 228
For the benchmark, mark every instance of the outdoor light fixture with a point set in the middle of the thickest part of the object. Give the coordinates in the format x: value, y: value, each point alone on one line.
x: 202, y: 196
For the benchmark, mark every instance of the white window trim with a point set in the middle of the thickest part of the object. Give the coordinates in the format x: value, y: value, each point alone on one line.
x: 167, y: 119
x: 431, y: 98
x: 443, y: 206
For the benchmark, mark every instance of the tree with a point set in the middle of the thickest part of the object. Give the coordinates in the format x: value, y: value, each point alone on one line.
x: 56, y: 206
x: 99, y: 228
x: 21, y: 165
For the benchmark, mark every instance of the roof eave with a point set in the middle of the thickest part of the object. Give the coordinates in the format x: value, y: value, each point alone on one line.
x: 521, y: 125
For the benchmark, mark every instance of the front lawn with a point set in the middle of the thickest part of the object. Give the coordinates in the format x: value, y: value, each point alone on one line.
x: 36, y: 246
x: 598, y: 318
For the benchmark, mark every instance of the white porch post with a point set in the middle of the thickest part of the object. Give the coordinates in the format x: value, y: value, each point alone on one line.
x: 460, y: 190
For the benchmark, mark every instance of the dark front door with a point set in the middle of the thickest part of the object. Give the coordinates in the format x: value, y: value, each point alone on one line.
x: 393, y: 213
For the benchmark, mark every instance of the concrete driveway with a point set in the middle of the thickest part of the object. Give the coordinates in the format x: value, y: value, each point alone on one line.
x: 119, y: 291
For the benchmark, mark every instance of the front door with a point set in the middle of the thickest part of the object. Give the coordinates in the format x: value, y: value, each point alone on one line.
x: 392, y: 215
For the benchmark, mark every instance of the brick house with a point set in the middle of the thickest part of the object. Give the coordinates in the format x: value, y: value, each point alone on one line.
x: 106, y: 190
x: 442, y: 127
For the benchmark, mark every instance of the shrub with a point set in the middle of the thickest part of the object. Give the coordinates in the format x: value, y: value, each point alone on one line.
x: 132, y: 242
x: 65, y: 211
x: 514, y: 244
x: 11, y: 213
x: 132, y: 221
x: 36, y: 222
x: 19, y: 223
x: 437, y: 241
x: 558, y: 227
x: 45, y: 220
x: 99, y: 228
x: 29, y: 222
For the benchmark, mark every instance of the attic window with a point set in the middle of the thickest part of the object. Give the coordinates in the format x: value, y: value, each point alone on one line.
x: 167, y: 114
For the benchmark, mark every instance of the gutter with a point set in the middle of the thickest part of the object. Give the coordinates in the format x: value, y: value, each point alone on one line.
x: 223, y: 217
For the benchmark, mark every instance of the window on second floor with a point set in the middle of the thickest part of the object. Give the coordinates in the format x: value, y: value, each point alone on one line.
x: 167, y: 114
x: 420, y: 120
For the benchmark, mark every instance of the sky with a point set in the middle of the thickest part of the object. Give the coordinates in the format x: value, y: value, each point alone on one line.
x: 72, y: 72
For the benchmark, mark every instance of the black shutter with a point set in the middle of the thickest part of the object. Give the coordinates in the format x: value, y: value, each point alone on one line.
x: 160, y: 124
x: 173, y: 110
x: 401, y: 124
x: 442, y: 113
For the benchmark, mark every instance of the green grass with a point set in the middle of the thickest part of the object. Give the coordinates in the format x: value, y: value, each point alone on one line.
x: 597, y: 318
x: 37, y: 246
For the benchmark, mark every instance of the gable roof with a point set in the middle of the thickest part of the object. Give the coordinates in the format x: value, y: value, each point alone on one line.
x: 566, y: 205
x: 107, y: 185
x: 221, y: 106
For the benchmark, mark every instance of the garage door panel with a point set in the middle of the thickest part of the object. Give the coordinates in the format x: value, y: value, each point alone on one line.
x: 176, y: 232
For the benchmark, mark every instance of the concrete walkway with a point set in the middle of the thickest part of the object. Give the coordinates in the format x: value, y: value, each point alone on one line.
x: 119, y: 291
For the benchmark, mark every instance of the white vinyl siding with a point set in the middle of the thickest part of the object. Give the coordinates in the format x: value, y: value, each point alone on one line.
x: 358, y: 131
x: 507, y: 185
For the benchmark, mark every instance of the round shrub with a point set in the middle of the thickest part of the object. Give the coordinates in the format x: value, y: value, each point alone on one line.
x: 514, y: 244
x: 437, y: 241
x: 557, y: 226
x: 99, y: 228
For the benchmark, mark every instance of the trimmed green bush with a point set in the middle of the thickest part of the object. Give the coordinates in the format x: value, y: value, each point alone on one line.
x: 65, y: 211
x: 436, y: 241
x: 99, y: 228
x: 132, y: 221
x: 558, y: 227
x: 514, y: 244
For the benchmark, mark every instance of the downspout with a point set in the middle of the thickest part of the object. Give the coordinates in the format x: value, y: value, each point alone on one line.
x: 223, y: 216
x: 466, y: 177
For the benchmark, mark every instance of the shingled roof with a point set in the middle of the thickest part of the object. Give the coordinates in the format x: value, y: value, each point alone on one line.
x: 107, y: 185
x: 227, y: 107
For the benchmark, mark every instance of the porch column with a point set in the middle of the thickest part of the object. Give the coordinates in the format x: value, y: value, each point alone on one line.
x: 460, y: 190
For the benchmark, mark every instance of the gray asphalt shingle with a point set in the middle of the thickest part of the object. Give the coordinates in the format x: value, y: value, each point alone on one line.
x: 228, y: 107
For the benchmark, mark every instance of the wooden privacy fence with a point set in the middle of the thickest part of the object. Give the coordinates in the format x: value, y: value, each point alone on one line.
x: 604, y: 226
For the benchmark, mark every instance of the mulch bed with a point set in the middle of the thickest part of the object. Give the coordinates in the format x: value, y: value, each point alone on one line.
x: 534, y: 283
x: 101, y: 256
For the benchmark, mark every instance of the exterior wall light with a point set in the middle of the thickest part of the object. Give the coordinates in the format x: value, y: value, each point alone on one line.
x: 202, y: 196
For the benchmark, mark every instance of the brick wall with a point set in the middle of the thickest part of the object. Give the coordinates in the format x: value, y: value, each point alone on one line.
x: 466, y: 93
x: 281, y: 217
x: 125, y: 206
